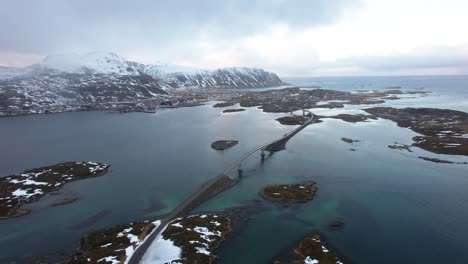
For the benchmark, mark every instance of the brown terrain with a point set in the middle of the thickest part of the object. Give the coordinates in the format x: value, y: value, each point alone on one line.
x: 224, y: 144
x: 310, y: 249
x: 109, y: 245
x: 198, y: 236
x: 290, y: 193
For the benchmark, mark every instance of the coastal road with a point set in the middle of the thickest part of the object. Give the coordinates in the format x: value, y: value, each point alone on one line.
x: 208, y: 190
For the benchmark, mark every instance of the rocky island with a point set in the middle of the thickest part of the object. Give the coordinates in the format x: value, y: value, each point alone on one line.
x: 112, y: 245
x: 234, y: 110
x: 349, y: 140
x: 351, y: 118
x: 293, y: 120
x: 400, y: 147
x: 31, y: 185
x: 197, y: 236
x: 443, y: 131
x: 313, y: 250
x: 224, y: 144
x: 292, y: 99
x: 290, y: 193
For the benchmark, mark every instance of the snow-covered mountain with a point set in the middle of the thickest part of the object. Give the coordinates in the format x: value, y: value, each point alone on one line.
x: 64, y: 81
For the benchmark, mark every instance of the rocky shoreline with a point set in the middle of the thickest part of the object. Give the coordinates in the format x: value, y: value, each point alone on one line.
x: 31, y: 185
x: 293, y: 120
x: 443, y: 131
x: 198, y: 236
x: 290, y: 193
x: 223, y: 144
x: 312, y: 250
x: 112, y: 245
x: 292, y: 99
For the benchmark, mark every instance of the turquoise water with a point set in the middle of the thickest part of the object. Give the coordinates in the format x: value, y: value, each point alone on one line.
x: 396, y: 207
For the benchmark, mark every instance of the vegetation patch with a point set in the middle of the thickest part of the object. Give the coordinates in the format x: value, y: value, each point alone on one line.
x: 313, y: 250
x: 234, y: 110
x: 31, y: 185
x: 198, y: 236
x: 293, y: 120
x: 290, y: 193
x: 113, y: 245
x: 224, y: 144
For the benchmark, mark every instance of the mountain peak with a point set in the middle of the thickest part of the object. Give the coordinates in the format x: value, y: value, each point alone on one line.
x: 99, y: 62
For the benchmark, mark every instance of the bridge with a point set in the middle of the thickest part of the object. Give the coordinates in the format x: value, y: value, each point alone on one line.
x: 215, y: 186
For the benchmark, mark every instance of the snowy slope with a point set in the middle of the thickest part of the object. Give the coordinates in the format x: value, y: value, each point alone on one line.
x: 61, y: 81
x: 95, y: 62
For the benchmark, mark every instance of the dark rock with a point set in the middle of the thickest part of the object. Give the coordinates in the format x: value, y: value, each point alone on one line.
x: 436, y: 160
x: 224, y: 144
x: 336, y: 224
x: 234, y: 110
x: 349, y: 140
x: 290, y: 193
x: 293, y: 120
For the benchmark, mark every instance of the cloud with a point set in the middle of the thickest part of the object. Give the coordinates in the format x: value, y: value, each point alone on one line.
x: 290, y: 37
x: 59, y: 26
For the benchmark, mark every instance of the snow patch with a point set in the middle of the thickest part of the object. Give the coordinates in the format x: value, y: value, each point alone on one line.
x: 309, y: 260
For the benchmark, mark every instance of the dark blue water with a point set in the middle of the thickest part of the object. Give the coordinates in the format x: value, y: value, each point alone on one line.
x: 396, y: 207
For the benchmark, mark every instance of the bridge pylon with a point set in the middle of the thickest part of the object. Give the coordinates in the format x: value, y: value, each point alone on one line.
x: 240, y: 170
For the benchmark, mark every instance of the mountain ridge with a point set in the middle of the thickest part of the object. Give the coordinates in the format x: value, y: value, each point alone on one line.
x: 67, y: 82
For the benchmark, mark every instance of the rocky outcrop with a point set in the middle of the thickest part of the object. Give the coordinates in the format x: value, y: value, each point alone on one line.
x: 31, y: 185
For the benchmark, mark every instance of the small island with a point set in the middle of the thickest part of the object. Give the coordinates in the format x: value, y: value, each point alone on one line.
x: 313, y: 250
x: 351, y: 118
x: 31, y: 185
x: 113, y: 245
x: 224, y: 104
x: 349, y: 140
x: 400, y: 147
x: 293, y: 120
x: 197, y: 236
x: 290, y: 193
x: 224, y: 144
x: 234, y: 110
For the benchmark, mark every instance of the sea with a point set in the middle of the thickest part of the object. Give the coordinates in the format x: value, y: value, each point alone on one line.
x: 396, y: 208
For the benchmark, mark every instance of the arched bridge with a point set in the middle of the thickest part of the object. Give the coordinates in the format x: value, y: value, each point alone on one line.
x: 215, y: 186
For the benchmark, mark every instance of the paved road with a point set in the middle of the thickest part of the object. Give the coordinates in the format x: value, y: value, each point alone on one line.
x: 207, y: 190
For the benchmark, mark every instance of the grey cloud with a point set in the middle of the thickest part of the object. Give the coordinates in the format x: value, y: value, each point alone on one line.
x: 49, y: 26
x: 437, y: 58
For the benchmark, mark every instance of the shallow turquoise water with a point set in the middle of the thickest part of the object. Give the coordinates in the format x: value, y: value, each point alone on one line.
x: 396, y: 207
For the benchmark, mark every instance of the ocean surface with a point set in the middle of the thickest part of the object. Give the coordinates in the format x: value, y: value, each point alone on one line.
x: 396, y: 207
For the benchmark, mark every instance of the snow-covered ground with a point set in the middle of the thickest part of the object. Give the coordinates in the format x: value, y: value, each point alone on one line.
x: 161, y: 251
x: 135, y: 241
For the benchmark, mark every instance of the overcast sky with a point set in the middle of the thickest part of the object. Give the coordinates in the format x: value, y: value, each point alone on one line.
x: 289, y: 37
